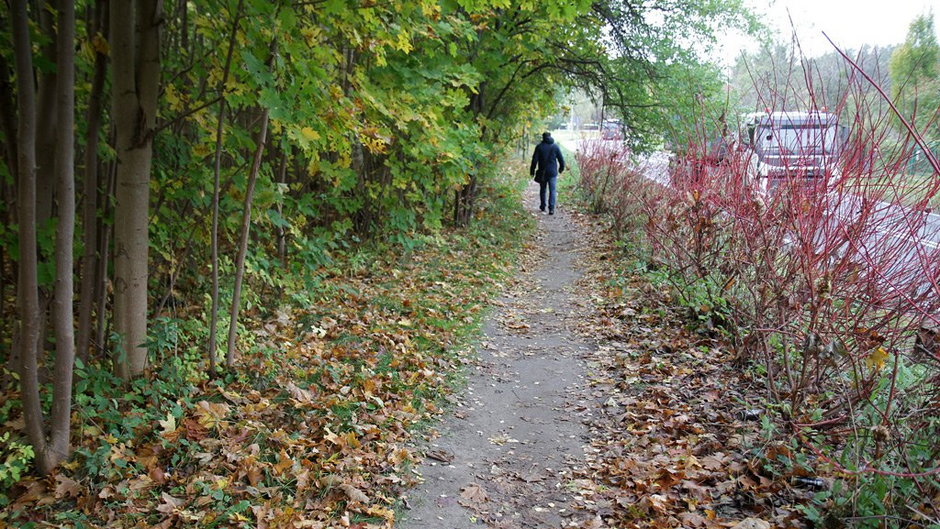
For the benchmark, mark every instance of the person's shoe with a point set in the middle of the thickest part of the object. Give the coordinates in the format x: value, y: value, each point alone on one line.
x: 542, y: 208
x: 551, y: 212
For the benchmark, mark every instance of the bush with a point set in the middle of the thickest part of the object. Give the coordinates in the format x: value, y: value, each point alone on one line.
x: 829, y: 284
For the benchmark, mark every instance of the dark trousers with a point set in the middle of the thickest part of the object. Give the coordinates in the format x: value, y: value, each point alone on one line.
x: 552, y: 194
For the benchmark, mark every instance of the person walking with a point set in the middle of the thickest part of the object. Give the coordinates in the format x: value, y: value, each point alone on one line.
x: 547, y: 164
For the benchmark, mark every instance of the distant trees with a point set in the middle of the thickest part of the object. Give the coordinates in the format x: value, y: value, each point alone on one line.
x: 915, y: 77
x: 778, y: 77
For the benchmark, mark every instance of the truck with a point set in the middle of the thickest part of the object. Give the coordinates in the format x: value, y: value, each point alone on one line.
x: 798, y: 148
x: 612, y: 130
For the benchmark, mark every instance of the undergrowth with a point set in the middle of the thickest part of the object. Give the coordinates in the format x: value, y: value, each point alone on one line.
x: 313, y: 427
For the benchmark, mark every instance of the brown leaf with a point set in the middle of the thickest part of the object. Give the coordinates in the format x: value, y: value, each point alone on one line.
x: 593, y: 523
x: 440, y: 455
x: 284, y: 462
x: 472, y: 495
x: 693, y: 519
x: 354, y: 494
x: 299, y: 394
x: 170, y: 504
x: 66, y: 487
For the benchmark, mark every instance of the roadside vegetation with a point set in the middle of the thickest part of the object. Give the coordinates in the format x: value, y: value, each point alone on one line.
x: 825, y: 291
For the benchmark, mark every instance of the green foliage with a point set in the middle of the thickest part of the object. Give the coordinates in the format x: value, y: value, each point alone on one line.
x: 915, y: 77
x: 17, y: 457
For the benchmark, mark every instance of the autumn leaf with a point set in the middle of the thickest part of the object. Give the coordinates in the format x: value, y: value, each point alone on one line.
x: 354, y: 494
x: 472, y: 496
x: 876, y: 360
x: 210, y: 414
x: 66, y: 487
x: 167, y: 426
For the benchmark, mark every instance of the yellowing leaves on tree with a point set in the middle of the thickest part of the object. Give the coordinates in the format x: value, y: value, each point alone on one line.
x: 173, y: 98
x: 310, y: 134
x: 404, y: 42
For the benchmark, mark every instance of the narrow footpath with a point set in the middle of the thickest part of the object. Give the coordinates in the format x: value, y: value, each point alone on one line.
x: 509, y: 450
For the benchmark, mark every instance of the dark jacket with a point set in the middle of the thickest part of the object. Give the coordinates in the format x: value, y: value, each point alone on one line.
x: 544, y: 157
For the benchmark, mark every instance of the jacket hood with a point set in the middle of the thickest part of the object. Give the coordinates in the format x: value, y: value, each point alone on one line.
x: 548, y: 140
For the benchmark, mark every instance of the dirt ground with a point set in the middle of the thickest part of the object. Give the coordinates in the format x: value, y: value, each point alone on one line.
x: 594, y: 404
x: 511, y: 446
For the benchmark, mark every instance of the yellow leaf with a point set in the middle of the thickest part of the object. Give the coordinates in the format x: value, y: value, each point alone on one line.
x: 100, y: 45
x: 876, y: 360
x: 310, y: 134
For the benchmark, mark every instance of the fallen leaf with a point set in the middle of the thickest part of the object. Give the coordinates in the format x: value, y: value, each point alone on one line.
x: 751, y: 523
x: 472, y: 495
x: 66, y: 487
x: 354, y: 494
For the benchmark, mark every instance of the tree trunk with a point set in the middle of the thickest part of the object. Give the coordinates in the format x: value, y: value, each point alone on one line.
x: 27, y: 288
x: 216, y: 170
x: 243, y: 243
x: 135, y: 84
x: 104, y: 251
x: 89, y: 265
x: 49, y: 452
x: 62, y: 314
x: 46, y: 125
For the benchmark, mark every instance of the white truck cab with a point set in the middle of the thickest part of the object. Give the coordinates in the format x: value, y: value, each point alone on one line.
x: 792, y: 147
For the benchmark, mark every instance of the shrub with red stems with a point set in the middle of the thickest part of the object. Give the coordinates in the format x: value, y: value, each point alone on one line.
x: 827, y: 280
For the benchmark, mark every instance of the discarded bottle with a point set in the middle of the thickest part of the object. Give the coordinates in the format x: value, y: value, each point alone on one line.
x: 809, y: 483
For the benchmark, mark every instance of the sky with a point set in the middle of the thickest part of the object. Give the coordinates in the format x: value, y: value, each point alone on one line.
x: 849, y: 23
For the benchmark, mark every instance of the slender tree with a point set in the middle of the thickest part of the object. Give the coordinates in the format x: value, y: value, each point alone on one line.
x: 230, y: 354
x: 90, y: 224
x: 50, y: 447
x: 216, y: 170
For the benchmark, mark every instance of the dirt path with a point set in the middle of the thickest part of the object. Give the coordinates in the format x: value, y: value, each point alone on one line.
x: 507, y: 454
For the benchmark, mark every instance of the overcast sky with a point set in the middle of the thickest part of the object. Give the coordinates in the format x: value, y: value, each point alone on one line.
x: 849, y: 23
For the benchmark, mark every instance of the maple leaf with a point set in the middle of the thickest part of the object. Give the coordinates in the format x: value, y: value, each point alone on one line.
x: 472, y: 495
x: 876, y: 360
x: 66, y: 487
x: 167, y: 426
x: 211, y: 414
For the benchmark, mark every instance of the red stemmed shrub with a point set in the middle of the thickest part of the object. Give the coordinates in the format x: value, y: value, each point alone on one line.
x: 828, y: 284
